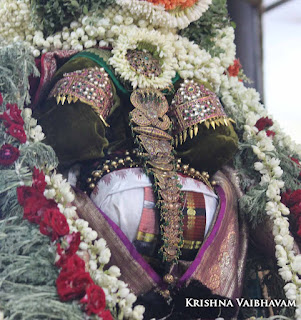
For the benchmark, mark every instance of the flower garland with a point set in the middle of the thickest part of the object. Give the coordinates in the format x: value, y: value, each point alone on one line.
x: 130, y: 39
x: 89, y: 31
x: 47, y: 202
x: 158, y: 16
x: 192, y: 62
x: 249, y: 111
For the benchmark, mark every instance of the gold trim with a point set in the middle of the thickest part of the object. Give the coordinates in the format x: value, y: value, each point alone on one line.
x: 146, y: 237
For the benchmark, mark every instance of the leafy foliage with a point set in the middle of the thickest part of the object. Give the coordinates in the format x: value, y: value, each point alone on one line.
x: 53, y: 15
x: 205, y: 29
x: 27, y: 270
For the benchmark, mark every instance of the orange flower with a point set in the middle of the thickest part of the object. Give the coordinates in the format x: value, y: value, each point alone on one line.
x: 172, y: 4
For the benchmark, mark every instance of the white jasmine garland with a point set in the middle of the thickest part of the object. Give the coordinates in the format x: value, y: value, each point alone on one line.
x: 33, y: 131
x: 129, y: 39
x: 244, y: 104
x: 99, y: 254
x: 158, y: 16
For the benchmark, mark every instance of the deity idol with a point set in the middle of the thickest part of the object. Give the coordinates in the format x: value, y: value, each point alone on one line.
x: 138, y: 122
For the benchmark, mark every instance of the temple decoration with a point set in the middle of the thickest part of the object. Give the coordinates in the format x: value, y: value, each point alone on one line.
x: 192, y: 105
x: 150, y: 122
x: 91, y: 86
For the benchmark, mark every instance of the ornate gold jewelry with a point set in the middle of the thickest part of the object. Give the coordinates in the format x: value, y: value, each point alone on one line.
x: 91, y: 86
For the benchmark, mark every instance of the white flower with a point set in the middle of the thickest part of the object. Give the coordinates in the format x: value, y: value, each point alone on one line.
x: 296, y: 264
x: 100, y: 244
x: 49, y: 193
x: 284, y: 210
x: 130, y: 299
x: 258, y: 166
x: 139, y: 310
x: 83, y: 246
x: 114, y: 271
x: 92, y: 265
x: 129, y: 38
x: 124, y: 292
x: 272, y: 191
x: 69, y: 212
x: 157, y: 16
x: 285, y: 273
x: 105, y: 256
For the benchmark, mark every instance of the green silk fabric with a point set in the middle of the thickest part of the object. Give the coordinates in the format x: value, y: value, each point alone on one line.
x: 210, y: 149
x: 74, y: 130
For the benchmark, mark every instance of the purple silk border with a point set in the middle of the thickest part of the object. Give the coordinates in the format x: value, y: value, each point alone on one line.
x: 209, y: 240
x: 132, y: 250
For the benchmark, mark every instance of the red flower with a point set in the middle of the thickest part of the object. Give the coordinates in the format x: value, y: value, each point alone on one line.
x: 36, y: 205
x: 105, y: 315
x: 12, y: 115
x: 72, y: 285
x: 234, y: 68
x: 271, y: 133
x: 73, y: 264
x: 296, y: 209
x: 1, y: 99
x: 296, y: 161
x: 95, y: 299
x: 263, y: 123
x: 8, y: 154
x: 299, y: 225
x: 74, y: 241
x: 292, y: 199
x: 38, y: 178
x: 54, y: 224
x: 17, y: 131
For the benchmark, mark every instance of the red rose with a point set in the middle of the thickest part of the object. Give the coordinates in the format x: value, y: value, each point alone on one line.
x: 54, y: 224
x: 296, y: 161
x: 296, y: 209
x: 17, y: 131
x: 1, y: 99
x: 72, y: 285
x: 8, y: 154
x: 271, y: 133
x: 35, y: 207
x: 38, y: 178
x: 73, y: 264
x: 12, y: 115
x: 105, y: 315
x: 295, y: 197
x: 234, y: 68
x: 263, y: 123
x: 95, y: 299
x: 74, y: 241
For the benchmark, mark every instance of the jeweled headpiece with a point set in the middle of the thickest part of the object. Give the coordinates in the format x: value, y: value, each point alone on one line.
x: 91, y: 86
x: 193, y: 104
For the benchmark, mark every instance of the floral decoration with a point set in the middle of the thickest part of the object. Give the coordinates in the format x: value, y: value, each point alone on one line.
x: 8, y: 154
x: 74, y: 280
x: 49, y: 198
x: 139, y: 38
x: 177, y: 17
x: 234, y: 68
x: 243, y: 104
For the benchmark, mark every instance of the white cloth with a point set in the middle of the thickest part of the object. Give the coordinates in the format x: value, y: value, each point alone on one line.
x: 120, y: 195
